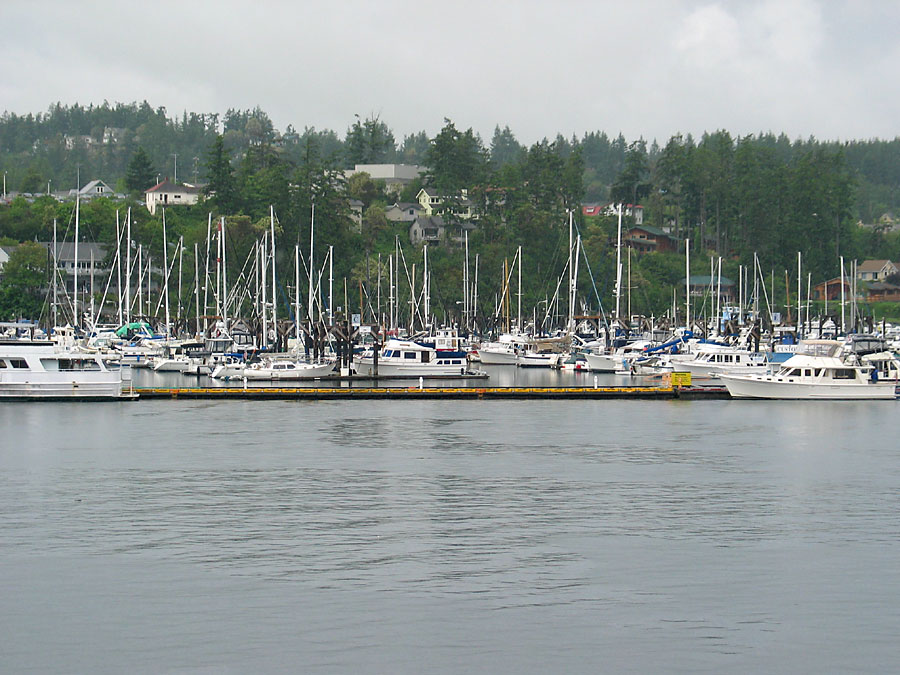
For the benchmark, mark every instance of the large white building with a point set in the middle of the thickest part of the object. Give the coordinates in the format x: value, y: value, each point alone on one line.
x: 394, y: 176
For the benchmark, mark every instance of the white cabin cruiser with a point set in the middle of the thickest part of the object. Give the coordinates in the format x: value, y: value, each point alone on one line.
x: 712, y: 360
x: 816, y: 371
x: 404, y: 358
x: 285, y: 368
x: 39, y: 370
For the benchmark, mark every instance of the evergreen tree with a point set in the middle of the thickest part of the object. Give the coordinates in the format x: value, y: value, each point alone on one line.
x: 221, y: 184
x: 140, y: 174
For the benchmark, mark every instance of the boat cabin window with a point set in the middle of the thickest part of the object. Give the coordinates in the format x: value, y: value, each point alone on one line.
x: 409, y: 355
x: 2, y: 364
x: 844, y: 374
x: 808, y: 372
x: 70, y: 364
x: 18, y: 363
x: 794, y: 373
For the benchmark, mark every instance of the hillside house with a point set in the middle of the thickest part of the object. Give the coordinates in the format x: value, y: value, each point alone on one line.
x: 875, y: 270
x: 95, y: 188
x: 882, y: 291
x: 831, y: 290
x: 433, y: 230
x: 171, y: 194
x: 91, y: 264
x: 432, y: 203
x: 403, y: 212
x: 645, y: 239
x: 701, y: 286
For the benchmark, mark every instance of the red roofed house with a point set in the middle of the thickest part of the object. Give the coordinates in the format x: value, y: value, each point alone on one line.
x: 171, y: 194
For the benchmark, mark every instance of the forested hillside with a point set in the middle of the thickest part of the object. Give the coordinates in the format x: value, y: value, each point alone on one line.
x: 732, y: 197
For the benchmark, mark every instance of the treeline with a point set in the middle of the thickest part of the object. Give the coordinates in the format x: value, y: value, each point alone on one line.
x: 99, y: 140
x: 732, y: 197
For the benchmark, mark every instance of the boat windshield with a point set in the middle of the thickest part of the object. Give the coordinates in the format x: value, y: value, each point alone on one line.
x: 819, y: 347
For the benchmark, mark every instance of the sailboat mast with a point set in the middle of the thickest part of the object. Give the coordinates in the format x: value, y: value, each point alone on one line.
x: 224, y: 273
x: 206, y: 273
x: 619, y: 261
x: 165, y: 244
x: 309, y: 302
x: 571, y: 319
x: 519, y: 308
x: 140, y: 280
x: 196, y: 290
x: 261, y: 286
x: 687, y: 283
x: 330, y: 286
x: 297, y: 292
x: 119, y: 265
x: 274, y: 302
x: 475, y: 294
x: 55, y: 272
x: 425, y: 288
x: 128, y: 266
x: 75, y: 280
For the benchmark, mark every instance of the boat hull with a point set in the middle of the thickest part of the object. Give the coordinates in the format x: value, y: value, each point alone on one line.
x: 300, y: 372
x: 744, y: 386
x: 366, y: 368
x: 50, y: 386
x: 604, y: 363
x: 497, y: 358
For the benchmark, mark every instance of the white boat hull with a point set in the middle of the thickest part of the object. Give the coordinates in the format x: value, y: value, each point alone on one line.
x: 98, y: 385
x: 301, y: 371
x: 604, y: 363
x: 497, y: 358
x: 366, y: 368
x: 537, y: 360
x: 756, y: 386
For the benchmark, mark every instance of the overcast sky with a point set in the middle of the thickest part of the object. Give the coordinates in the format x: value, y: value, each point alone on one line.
x: 644, y: 68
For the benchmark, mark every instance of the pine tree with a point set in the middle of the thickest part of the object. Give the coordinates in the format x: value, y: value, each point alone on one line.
x: 221, y: 184
x: 139, y: 174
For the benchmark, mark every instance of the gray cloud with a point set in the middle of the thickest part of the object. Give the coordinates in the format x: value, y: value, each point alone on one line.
x: 651, y: 69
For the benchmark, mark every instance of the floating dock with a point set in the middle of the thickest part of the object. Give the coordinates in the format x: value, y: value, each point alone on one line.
x: 432, y: 393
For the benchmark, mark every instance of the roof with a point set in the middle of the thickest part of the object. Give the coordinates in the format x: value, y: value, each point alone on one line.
x: 167, y: 186
x: 872, y: 265
x: 90, y: 188
x: 649, y: 229
x: 883, y: 286
x: 65, y: 250
x: 429, y: 221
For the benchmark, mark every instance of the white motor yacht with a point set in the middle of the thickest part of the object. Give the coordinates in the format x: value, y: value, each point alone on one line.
x: 816, y: 371
x: 404, y: 358
x: 40, y: 370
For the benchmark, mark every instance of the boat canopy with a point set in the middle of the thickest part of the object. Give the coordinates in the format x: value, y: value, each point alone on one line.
x: 134, y: 328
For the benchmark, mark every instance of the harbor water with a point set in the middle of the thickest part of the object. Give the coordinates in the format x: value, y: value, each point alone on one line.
x: 446, y: 537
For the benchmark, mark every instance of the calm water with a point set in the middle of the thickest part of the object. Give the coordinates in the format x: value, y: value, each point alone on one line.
x: 522, y: 536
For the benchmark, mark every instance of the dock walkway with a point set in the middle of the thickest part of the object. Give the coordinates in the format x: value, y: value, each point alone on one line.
x: 431, y: 393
